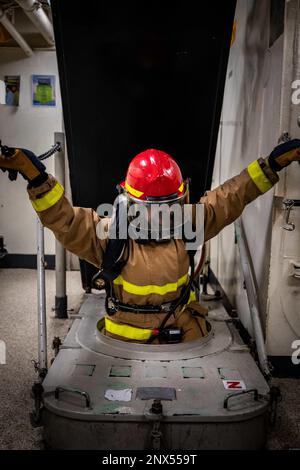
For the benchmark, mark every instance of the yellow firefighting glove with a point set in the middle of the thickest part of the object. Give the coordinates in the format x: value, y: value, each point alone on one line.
x: 284, y: 154
x: 24, y: 162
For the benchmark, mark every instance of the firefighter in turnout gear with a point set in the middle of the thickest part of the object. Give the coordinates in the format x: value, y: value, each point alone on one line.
x: 150, y: 294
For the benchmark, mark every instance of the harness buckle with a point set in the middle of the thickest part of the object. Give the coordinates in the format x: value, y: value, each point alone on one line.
x: 111, y: 306
x: 165, y: 308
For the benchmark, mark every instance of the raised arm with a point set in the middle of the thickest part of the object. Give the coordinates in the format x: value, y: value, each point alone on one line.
x: 226, y: 203
x: 74, y: 227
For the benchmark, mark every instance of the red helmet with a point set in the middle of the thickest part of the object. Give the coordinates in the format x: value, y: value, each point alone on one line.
x: 153, y: 174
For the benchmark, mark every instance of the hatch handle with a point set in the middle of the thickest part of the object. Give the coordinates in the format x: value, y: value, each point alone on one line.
x: 294, y: 269
x: 75, y: 391
x: 232, y: 395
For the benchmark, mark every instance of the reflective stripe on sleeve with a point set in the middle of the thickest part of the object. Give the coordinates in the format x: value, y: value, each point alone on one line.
x: 258, y: 177
x: 128, y: 331
x: 150, y: 288
x: 49, y: 199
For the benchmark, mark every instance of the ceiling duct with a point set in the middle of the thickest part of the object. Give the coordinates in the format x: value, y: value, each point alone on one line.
x: 37, y: 15
x: 15, y: 34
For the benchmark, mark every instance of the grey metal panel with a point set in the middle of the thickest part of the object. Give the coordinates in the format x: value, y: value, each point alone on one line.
x: 242, y: 435
x: 194, y: 403
x: 70, y: 341
x: 194, y: 397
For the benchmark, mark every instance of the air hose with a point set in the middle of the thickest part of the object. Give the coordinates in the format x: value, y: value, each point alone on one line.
x: 55, y: 148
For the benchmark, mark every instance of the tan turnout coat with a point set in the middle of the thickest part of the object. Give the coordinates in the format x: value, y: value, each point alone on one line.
x: 150, y: 266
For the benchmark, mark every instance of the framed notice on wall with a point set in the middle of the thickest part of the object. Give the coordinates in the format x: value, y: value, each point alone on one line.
x: 12, y: 90
x: 43, y: 90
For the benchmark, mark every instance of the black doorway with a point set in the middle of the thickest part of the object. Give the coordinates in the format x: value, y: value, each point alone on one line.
x: 137, y: 75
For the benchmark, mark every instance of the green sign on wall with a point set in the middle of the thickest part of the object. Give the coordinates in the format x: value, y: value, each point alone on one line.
x: 43, y: 90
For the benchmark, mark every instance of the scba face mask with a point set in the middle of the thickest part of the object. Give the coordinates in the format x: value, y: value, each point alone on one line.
x: 145, y: 221
x: 157, y: 221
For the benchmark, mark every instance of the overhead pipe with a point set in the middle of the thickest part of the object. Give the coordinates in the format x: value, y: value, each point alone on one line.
x: 37, y: 15
x: 15, y: 34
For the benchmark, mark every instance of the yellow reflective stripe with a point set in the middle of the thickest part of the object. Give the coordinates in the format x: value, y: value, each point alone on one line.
x: 133, y: 191
x: 49, y: 199
x: 151, y: 288
x: 127, y: 331
x: 180, y: 189
x: 192, y: 298
x: 258, y: 177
